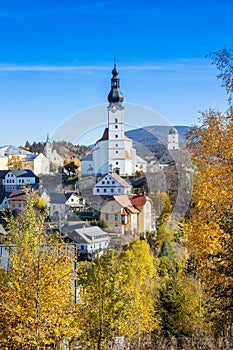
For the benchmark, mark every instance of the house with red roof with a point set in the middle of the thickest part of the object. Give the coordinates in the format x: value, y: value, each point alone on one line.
x: 127, y: 213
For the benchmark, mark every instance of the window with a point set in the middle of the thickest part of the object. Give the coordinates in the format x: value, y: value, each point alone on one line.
x: 97, y: 190
x: 113, y: 182
x: 116, y: 163
x: 108, y: 182
x: 116, y: 152
x: 116, y: 144
x: 116, y: 126
x: 116, y: 136
x: 116, y: 217
x: 106, y: 216
x: 112, y: 190
x: 103, y: 182
x: 116, y: 120
x: 119, y: 190
x: 105, y: 190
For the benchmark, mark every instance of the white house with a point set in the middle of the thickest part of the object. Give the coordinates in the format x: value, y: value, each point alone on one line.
x: 92, y: 241
x: 38, y: 163
x: 58, y: 207
x: 112, y: 184
x: 16, y: 179
x: 74, y: 200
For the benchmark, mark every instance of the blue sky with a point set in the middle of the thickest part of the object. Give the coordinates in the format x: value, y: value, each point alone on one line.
x: 57, y: 56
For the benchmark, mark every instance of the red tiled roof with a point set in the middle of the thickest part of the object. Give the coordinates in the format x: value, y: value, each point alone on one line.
x: 105, y: 136
x: 139, y: 200
x: 126, y: 138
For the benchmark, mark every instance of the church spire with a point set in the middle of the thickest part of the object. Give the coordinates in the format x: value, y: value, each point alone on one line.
x: 115, y: 95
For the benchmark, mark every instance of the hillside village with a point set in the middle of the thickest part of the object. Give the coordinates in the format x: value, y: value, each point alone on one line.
x: 113, y: 237
x: 102, y: 195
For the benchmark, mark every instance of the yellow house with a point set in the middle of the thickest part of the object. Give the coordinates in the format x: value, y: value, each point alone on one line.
x: 127, y: 213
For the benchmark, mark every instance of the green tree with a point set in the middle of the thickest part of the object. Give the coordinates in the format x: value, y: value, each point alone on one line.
x: 37, y: 292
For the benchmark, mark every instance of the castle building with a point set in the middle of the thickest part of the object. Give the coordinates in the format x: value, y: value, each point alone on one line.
x: 114, y: 152
x: 173, y: 140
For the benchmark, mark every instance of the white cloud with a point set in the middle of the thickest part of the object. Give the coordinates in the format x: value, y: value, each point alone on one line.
x: 182, y: 66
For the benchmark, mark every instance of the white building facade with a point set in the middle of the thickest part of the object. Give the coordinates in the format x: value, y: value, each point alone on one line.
x: 110, y: 185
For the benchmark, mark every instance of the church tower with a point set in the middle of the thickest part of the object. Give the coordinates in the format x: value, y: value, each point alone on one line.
x: 114, y: 152
x: 116, y: 145
x: 173, y: 140
x: 48, y: 148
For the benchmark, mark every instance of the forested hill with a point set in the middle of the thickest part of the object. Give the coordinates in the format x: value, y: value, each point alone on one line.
x: 155, y: 135
x: 65, y: 149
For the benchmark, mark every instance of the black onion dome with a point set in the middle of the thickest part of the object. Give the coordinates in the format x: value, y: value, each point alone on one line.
x: 115, y: 95
x: 173, y: 131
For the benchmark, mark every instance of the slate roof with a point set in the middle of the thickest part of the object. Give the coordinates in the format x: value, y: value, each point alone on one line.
x: 89, y: 157
x: 17, y: 173
x: 89, y: 235
x: 17, y: 195
x: 22, y: 173
x: 58, y: 198
x: 68, y: 229
x: 3, y: 173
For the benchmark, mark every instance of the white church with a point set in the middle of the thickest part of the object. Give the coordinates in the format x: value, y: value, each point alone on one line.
x: 114, y: 152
